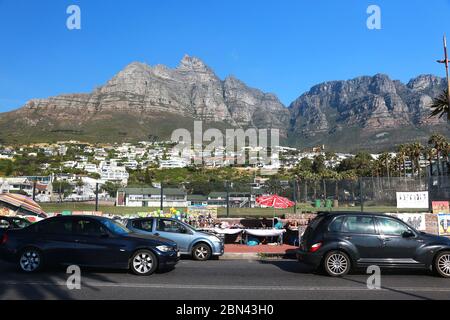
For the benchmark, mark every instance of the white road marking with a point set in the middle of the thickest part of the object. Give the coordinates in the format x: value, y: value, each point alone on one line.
x: 226, y: 287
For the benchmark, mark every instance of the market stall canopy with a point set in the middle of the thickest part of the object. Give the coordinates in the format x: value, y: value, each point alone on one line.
x: 275, y: 201
x: 23, y: 204
x: 227, y: 231
x: 265, y: 232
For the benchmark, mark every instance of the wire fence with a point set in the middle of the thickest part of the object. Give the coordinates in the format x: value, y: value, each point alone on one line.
x: 368, y: 194
x: 239, y: 199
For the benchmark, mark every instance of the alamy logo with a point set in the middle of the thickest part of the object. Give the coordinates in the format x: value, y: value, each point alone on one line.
x: 236, y: 147
x: 74, y: 280
x: 374, y: 280
x: 74, y: 20
x: 374, y: 20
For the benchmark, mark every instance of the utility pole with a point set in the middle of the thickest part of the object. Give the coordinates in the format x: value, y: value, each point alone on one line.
x: 34, y: 189
x: 295, y: 196
x: 361, y: 194
x: 228, y: 198
x: 96, y: 197
x: 161, y: 206
x: 446, y: 62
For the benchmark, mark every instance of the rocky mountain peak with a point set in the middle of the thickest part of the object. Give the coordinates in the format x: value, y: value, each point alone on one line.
x: 189, y: 63
x: 232, y: 81
x: 363, y: 106
x: 382, y: 84
x: 424, y: 82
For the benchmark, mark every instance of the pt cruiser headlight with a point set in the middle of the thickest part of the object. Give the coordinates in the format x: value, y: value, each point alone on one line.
x: 164, y: 248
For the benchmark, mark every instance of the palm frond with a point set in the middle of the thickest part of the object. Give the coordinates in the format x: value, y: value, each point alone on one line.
x: 440, y: 105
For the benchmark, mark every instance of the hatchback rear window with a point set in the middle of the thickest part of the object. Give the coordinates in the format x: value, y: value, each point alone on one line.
x: 312, y: 226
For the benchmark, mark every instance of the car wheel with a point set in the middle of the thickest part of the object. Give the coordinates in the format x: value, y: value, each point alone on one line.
x: 143, y: 263
x: 337, y: 264
x: 201, y: 252
x: 30, y: 260
x: 442, y: 264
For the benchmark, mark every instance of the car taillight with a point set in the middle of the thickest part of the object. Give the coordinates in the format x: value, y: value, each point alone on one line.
x: 4, y: 238
x: 315, y: 247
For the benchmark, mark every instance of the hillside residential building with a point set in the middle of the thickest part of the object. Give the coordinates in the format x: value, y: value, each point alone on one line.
x: 151, y: 198
x: 114, y: 174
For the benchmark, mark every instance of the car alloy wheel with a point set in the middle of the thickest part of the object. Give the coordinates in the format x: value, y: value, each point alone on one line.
x: 143, y: 263
x: 337, y: 264
x: 443, y: 264
x: 202, y: 252
x: 30, y: 260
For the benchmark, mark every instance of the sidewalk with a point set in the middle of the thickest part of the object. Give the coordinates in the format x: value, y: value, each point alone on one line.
x: 244, y: 252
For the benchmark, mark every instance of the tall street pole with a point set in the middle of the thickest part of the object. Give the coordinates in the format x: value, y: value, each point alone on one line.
x: 96, y: 197
x: 228, y: 198
x: 445, y: 62
x: 34, y: 189
x: 161, y: 205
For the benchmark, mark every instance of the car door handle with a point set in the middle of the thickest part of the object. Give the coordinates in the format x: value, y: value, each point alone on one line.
x: 157, y: 234
x: 348, y: 238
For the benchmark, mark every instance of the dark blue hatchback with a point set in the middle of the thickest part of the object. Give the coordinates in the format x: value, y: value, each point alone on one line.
x: 86, y: 241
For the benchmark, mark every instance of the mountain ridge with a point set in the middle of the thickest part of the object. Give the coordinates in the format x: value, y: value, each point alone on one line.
x: 143, y: 101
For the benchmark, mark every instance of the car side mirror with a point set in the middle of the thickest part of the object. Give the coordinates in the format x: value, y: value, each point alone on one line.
x: 408, y: 234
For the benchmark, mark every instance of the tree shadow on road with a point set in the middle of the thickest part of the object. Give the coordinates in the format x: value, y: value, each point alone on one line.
x: 294, y: 266
x: 290, y: 266
x: 50, y: 283
x: 399, y: 291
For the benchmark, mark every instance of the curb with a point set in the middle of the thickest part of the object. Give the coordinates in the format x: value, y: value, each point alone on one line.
x: 256, y: 256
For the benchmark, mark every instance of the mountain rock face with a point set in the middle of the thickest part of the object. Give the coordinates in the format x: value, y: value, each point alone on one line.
x: 375, y: 108
x: 191, y: 91
x: 144, y: 101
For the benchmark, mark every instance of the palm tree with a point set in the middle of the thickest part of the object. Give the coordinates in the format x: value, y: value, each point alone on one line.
x: 307, y: 177
x: 410, y: 153
x: 447, y: 154
x: 399, y: 162
x: 385, y: 161
x: 439, y: 143
x: 416, y: 151
x: 440, y: 106
x: 402, y: 151
x: 430, y: 153
x: 385, y: 158
x: 336, y: 177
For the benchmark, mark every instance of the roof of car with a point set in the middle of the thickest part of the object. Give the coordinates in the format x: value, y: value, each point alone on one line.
x: 146, y: 218
x: 341, y: 213
x: 78, y: 216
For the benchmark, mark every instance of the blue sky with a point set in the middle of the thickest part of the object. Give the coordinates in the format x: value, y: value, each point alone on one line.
x: 283, y: 46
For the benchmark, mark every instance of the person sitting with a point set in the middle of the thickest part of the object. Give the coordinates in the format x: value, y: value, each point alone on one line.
x: 277, y: 224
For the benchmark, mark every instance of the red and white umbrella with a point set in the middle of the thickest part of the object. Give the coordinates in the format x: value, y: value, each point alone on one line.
x: 275, y: 201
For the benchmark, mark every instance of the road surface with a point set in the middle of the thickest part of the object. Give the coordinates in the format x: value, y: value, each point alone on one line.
x: 236, y: 280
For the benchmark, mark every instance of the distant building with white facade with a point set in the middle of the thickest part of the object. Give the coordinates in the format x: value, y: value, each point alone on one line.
x: 151, y: 197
